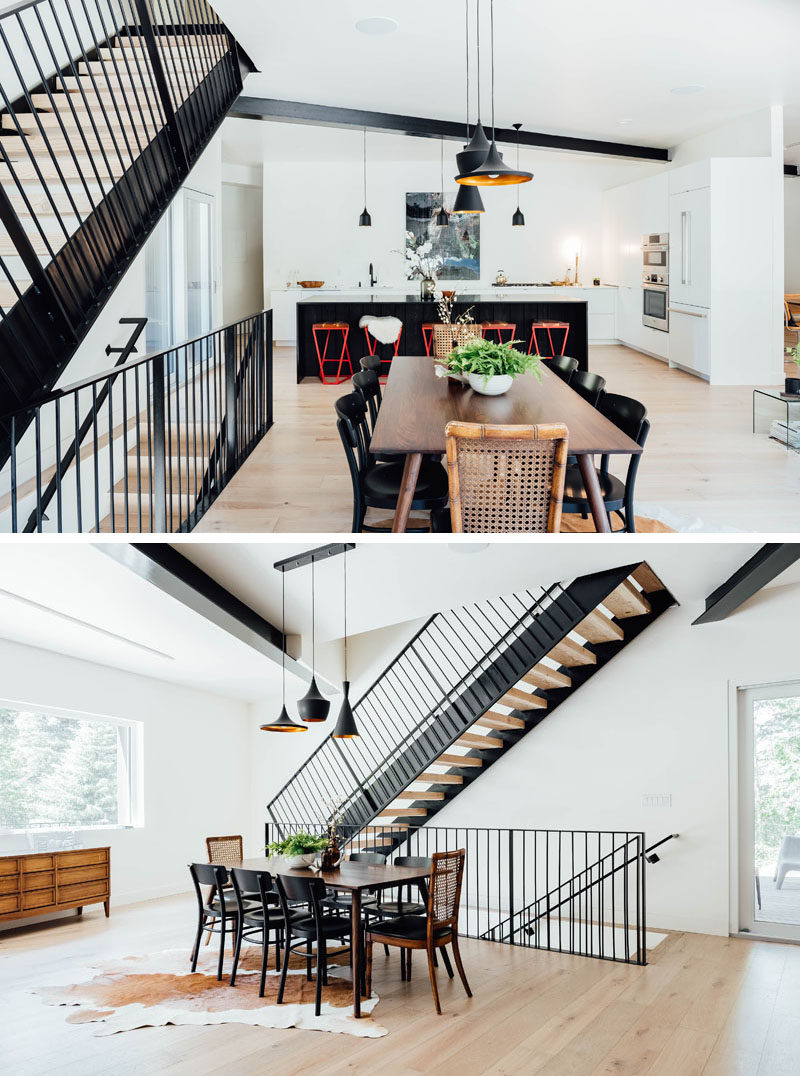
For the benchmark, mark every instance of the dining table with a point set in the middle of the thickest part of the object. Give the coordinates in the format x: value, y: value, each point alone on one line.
x: 418, y: 404
x: 349, y: 877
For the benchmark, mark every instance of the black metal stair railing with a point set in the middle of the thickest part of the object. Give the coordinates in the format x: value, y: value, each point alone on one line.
x: 506, y: 869
x: 105, y: 106
x: 143, y: 446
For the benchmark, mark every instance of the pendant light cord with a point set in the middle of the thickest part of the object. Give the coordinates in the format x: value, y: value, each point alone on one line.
x: 283, y: 632
x: 466, y: 39
x: 344, y: 558
x: 518, y: 184
x: 491, y: 27
x: 313, y: 623
x: 365, y: 167
x: 478, y: 35
x: 441, y: 168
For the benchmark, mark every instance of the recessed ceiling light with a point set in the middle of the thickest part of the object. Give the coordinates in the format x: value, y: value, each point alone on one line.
x: 380, y: 24
x: 625, y: 123
x: 685, y: 91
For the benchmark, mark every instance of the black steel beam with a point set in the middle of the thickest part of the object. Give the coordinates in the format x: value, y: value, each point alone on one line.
x: 269, y: 108
x: 791, y: 170
x: 760, y: 569
x: 322, y: 552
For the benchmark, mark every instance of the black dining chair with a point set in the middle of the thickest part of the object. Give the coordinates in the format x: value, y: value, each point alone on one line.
x: 318, y: 927
x: 345, y: 900
x: 257, y: 919
x: 588, y: 385
x: 377, y: 485
x: 220, y: 907
x: 376, y: 392
x: 368, y: 387
x: 630, y: 416
x: 563, y: 366
x: 373, y: 363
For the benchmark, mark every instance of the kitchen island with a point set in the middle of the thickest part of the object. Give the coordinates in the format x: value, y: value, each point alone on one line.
x: 522, y: 311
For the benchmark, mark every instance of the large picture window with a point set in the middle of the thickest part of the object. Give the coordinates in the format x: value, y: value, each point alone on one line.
x: 66, y: 770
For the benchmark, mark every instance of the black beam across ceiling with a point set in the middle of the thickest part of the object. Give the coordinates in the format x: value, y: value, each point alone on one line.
x: 268, y: 108
x: 322, y: 552
x: 791, y: 170
x: 762, y: 568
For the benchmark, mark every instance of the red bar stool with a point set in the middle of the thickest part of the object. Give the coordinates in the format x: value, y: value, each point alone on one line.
x: 329, y: 327
x: 427, y: 336
x: 372, y: 343
x: 499, y: 327
x: 548, y: 326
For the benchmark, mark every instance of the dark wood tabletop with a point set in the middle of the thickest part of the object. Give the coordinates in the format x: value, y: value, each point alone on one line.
x: 417, y: 405
x: 348, y: 876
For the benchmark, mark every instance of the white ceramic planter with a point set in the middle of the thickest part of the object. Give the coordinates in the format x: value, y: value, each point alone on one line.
x: 296, y: 862
x: 493, y: 386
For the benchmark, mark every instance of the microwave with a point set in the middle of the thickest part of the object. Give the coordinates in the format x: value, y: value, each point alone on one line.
x: 655, y: 256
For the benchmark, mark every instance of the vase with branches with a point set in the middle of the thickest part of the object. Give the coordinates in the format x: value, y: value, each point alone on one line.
x: 421, y: 262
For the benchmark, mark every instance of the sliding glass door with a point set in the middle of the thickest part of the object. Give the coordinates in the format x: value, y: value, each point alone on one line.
x: 769, y: 810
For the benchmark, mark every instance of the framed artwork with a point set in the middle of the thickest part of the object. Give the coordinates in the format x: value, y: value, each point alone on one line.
x: 454, y: 249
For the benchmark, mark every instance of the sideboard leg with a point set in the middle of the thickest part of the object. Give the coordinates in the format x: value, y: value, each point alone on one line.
x: 107, y: 906
x: 79, y: 911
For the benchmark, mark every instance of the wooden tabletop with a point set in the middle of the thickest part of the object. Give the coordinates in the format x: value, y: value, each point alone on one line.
x: 349, y: 876
x: 417, y: 406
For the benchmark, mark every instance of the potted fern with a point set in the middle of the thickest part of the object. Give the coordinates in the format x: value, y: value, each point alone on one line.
x: 298, y: 850
x: 489, y: 367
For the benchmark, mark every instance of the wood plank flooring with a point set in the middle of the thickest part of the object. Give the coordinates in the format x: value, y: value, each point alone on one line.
x: 702, y: 466
x: 704, y: 1005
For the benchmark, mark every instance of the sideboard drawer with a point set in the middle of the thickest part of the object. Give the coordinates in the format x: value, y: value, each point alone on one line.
x: 82, y: 858
x: 38, y: 880
x: 9, y: 884
x: 81, y: 874
x: 71, y: 894
x: 36, y: 863
x: 8, y: 866
x: 9, y: 904
x: 40, y: 898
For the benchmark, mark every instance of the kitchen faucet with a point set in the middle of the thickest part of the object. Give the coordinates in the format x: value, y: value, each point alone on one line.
x: 373, y: 280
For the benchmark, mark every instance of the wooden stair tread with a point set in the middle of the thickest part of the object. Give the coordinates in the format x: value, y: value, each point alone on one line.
x: 459, y: 760
x: 569, y: 652
x: 542, y: 676
x: 627, y: 601
x: 475, y: 740
x: 403, y: 812
x: 647, y: 578
x: 522, y: 700
x: 422, y: 794
x: 597, y: 628
x: 442, y: 778
x: 491, y: 720
x: 7, y: 294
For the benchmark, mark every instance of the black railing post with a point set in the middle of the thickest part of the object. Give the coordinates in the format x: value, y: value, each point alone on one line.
x: 230, y: 401
x: 159, y: 476
x: 154, y: 53
x: 511, y: 880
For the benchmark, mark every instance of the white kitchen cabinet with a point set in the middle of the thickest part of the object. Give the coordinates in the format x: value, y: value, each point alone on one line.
x: 690, y: 247
x: 689, y: 343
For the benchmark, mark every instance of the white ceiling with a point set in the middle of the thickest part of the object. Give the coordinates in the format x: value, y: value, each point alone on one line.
x: 73, y: 595
x: 575, y: 68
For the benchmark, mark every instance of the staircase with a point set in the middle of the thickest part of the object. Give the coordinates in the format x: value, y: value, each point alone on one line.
x: 469, y: 685
x: 106, y: 107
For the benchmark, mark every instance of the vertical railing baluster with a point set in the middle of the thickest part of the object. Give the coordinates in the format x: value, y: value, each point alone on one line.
x: 158, y: 482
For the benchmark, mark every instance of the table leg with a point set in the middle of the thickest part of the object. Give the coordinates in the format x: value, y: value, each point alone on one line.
x: 407, y: 488
x: 593, y: 493
x: 358, y: 956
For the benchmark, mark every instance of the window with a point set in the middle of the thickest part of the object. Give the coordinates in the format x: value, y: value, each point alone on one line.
x: 65, y: 770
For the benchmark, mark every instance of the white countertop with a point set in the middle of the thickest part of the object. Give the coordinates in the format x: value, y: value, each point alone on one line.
x: 464, y: 288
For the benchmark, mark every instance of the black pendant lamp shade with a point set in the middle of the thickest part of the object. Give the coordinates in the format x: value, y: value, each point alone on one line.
x: 346, y: 727
x: 491, y: 170
x: 283, y: 722
x: 313, y: 706
x: 468, y: 200
x: 518, y: 220
x: 365, y: 220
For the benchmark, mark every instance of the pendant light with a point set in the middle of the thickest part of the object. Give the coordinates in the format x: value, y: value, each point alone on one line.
x: 468, y: 199
x: 518, y: 220
x: 283, y: 723
x: 313, y: 706
x: 365, y: 220
x: 492, y: 172
x: 346, y: 727
x: 442, y: 219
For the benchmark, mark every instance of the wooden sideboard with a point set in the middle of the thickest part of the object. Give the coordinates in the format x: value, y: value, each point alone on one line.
x: 44, y: 882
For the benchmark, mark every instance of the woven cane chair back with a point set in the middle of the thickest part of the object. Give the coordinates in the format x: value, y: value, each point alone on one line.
x: 506, y: 479
x: 225, y: 850
x: 447, y: 337
x: 447, y: 870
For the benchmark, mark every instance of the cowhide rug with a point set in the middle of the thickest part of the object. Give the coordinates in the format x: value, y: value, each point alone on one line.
x: 159, y: 989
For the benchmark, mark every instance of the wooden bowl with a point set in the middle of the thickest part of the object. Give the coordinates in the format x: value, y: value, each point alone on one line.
x: 449, y: 293
x: 310, y: 283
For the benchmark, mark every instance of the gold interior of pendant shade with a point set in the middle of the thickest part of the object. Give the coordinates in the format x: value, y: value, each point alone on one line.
x: 487, y: 181
x: 282, y: 728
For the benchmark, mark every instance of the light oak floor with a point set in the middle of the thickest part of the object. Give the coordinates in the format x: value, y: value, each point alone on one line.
x: 716, y: 1006
x: 703, y: 469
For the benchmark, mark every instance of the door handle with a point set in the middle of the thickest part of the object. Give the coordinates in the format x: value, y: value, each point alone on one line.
x: 688, y: 313
x: 686, y: 245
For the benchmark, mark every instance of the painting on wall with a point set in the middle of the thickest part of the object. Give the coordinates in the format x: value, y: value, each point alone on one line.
x: 455, y: 249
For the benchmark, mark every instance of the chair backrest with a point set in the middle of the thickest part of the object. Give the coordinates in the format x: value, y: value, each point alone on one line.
x: 247, y: 882
x: 351, y: 415
x: 412, y: 861
x: 207, y: 874
x: 371, y: 362
x: 293, y: 890
x: 369, y: 389
x: 588, y: 385
x: 506, y: 479
x: 444, y: 897
x: 626, y: 413
x: 225, y: 850
x: 447, y: 337
x: 375, y: 858
x: 563, y: 366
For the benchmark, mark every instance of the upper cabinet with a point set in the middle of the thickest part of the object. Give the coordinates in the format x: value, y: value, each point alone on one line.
x: 690, y: 247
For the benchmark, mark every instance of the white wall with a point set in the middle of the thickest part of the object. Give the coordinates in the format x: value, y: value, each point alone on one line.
x: 311, y: 211
x: 196, y: 778
x: 242, y: 251
x: 791, y: 224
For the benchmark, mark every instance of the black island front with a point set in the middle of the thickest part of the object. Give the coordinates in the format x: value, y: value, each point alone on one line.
x: 415, y: 312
